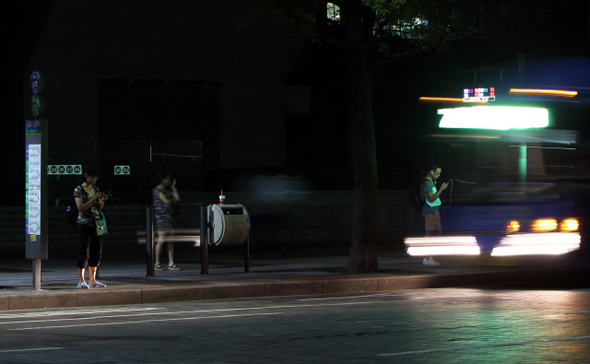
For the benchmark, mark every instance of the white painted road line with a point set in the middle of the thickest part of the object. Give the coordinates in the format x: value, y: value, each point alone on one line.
x: 73, y: 311
x: 485, y: 346
x: 29, y: 349
x: 160, y: 313
x: 141, y: 322
x: 352, y: 297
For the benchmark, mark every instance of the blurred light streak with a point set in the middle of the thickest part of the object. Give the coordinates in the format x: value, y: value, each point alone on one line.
x: 537, y: 244
x: 541, y: 225
x: 279, y: 188
x: 570, y: 224
x: 445, y: 99
x: 442, y: 245
x: 494, y: 117
x: 471, y: 136
x: 529, y: 91
x: 513, y: 226
x: 425, y: 251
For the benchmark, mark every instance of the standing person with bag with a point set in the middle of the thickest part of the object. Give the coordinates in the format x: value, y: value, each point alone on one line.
x: 430, y: 209
x: 90, y: 202
x: 165, y: 198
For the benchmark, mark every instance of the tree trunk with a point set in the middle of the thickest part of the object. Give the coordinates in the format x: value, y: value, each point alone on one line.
x: 363, y: 250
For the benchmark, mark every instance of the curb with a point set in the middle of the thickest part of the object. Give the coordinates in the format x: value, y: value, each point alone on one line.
x: 116, y: 294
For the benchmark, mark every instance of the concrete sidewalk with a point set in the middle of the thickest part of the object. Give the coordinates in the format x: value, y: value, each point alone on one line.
x: 127, y: 282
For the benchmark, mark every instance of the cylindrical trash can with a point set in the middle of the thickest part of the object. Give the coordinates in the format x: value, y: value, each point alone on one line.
x: 230, y: 224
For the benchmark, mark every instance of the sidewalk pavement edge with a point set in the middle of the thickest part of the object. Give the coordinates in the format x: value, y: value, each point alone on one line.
x: 123, y: 294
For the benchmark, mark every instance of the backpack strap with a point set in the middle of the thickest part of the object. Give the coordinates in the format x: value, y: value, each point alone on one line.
x: 84, y: 190
x: 422, y: 194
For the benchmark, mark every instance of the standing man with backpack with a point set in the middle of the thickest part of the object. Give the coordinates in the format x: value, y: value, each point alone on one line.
x: 430, y: 209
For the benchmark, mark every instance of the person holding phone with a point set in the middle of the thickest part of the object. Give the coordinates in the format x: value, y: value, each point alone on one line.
x: 89, y: 201
x: 430, y: 209
x: 165, y: 198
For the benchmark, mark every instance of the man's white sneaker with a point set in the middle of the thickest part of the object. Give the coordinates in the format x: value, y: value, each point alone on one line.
x: 430, y: 262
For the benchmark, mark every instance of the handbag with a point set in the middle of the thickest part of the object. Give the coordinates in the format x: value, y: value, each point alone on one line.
x: 101, y: 224
x: 99, y: 221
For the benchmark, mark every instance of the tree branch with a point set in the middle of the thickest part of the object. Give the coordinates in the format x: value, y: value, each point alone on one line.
x: 380, y: 29
x: 344, y: 5
x: 331, y: 40
x: 396, y: 57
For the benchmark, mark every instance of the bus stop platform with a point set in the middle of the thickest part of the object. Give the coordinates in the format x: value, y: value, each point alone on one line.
x: 127, y: 281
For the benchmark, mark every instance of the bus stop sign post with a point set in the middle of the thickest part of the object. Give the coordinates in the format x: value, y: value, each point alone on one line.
x: 36, y: 227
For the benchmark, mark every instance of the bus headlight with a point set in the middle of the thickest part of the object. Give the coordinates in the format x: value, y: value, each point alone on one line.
x: 570, y: 224
x: 542, y: 225
x: 513, y: 226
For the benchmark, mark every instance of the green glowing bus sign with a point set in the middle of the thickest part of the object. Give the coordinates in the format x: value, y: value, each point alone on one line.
x: 494, y: 117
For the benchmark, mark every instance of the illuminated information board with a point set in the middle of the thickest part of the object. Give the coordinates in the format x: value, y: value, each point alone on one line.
x: 33, y: 193
x: 36, y: 230
x: 479, y: 94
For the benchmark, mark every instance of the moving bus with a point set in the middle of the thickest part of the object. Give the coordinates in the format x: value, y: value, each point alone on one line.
x: 514, y: 191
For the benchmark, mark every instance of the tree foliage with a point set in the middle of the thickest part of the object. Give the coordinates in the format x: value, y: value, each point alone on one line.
x: 425, y: 24
x: 371, y: 32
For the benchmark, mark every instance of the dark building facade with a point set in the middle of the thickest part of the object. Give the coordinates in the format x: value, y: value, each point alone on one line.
x: 130, y: 72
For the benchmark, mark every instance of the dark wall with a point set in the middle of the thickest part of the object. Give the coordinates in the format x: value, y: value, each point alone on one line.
x: 21, y: 23
x: 152, y: 110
